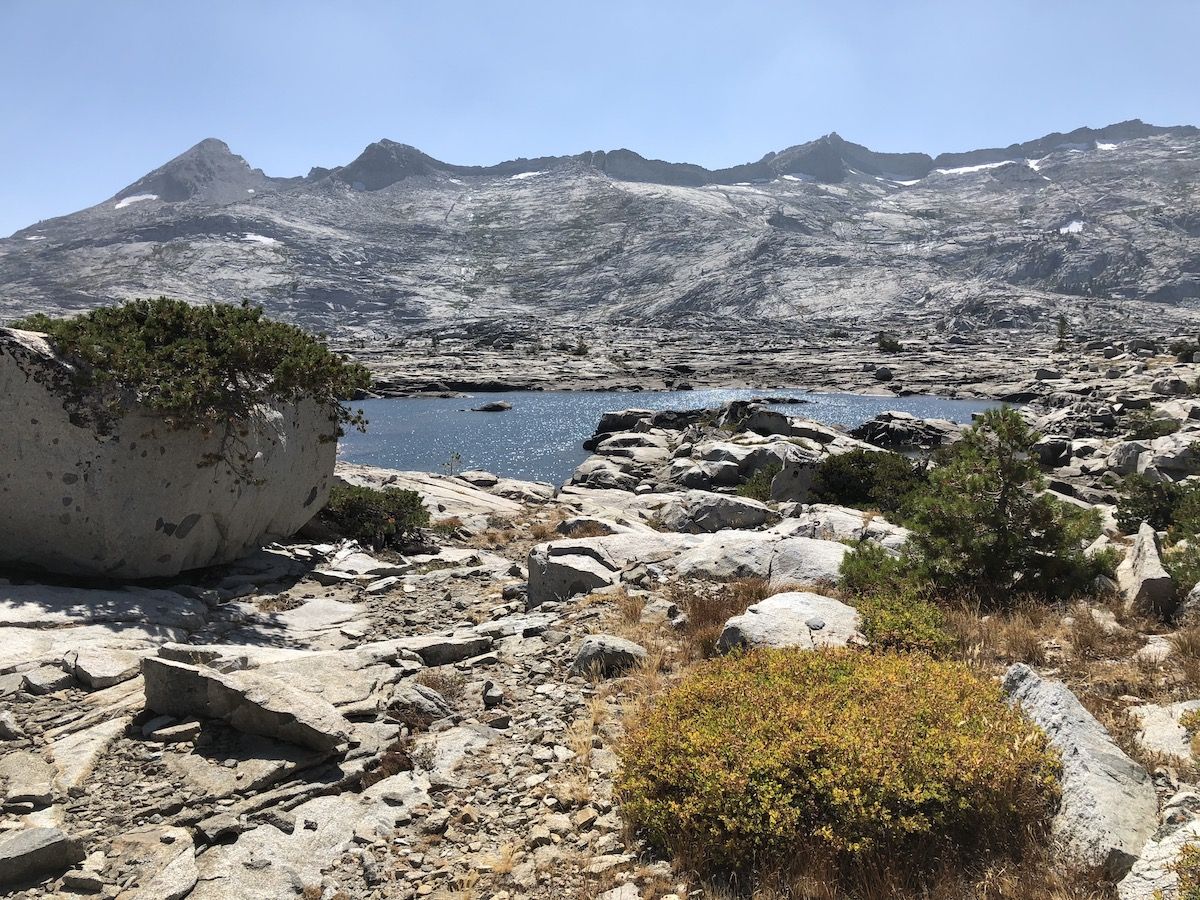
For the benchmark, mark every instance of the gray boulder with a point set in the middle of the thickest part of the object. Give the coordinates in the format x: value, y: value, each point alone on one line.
x: 249, y: 701
x: 801, y: 620
x: 35, y: 853
x: 702, y: 511
x: 1145, y: 584
x: 128, y: 496
x: 1123, y: 458
x: 606, y: 654
x: 1109, y: 808
x: 100, y: 668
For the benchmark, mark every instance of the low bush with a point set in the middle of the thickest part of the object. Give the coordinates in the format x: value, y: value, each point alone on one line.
x: 1182, y: 562
x: 887, y: 343
x: 375, y: 518
x: 200, y: 365
x: 1163, y: 504
x: 904, y: 622
x: 867, y: 479
x: 758, y: 485
x: 1184, y: 349
x: 868, y: 568
x: 1145, y: 425
x: 1187, y: 869
x: 777, y: 759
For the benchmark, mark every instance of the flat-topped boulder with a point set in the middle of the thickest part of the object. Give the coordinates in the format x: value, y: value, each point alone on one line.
x: 89, y: 490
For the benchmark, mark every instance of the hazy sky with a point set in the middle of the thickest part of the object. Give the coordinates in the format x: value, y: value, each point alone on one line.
x: 95, y: 94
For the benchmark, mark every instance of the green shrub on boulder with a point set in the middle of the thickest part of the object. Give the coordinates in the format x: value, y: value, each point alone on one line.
x: 199, y: 365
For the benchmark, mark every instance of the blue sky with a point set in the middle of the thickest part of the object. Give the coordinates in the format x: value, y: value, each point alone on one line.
x: 95, y: 94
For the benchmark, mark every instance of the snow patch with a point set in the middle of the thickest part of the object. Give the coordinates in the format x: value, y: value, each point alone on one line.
x: 1072, y: 227
x: 249, y: 190
x: 259, y: 239
x: 909, y: 183
x: 520, y: 176
x: 136, y: 198
x: 966, y: 170
x: 796, y: 178
x: 35, y: 237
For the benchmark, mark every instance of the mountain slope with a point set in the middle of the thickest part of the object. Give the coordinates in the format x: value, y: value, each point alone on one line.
x: 827, y: 231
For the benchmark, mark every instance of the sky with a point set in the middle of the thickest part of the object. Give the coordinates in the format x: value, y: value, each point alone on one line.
x: 95, y: 94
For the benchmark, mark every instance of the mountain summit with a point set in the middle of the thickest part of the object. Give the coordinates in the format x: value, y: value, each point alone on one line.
x: 209, y: 172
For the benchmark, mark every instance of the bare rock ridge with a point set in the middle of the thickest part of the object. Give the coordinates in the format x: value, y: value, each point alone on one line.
x: 1092, y: 223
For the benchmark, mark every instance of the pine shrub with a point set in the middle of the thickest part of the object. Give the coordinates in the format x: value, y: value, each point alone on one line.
x: 375, y: 518
x: 199, y: 365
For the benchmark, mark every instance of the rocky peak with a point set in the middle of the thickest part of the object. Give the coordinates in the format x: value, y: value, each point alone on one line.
x: 208, y: 172
x: 384, y: 163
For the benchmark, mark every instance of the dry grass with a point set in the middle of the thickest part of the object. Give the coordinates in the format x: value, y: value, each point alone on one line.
x: 1038, y: 876
x: 447, y: 682
x: 1186, y: 644
x: 504, y: 860
x: 707, y: 607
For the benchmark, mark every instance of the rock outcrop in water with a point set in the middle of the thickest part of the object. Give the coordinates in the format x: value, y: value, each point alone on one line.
x: 85, y: 490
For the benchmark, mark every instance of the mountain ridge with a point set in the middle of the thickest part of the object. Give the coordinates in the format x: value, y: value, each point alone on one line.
x: 209, y: 170
x: 1098, y: 222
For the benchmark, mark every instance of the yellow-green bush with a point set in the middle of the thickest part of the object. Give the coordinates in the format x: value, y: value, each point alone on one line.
x: 757, y: 760
x: 904, y: 621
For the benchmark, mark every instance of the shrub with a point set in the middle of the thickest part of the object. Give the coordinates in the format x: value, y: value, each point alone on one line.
x: 1187, y: 869
x: 1165, y: 505
x: 868, y: 568
x: 1145, y: 425
x: 376, y: 518
x: 758, y: 485
x: 707, y: 607
x: 982, y: 524
x: 1182, y: 562
x: 887, y: 343
x: 1183, y: 349
x: 904, y: 622
x: 200, y: 365
x: 760, y: 760
x: 866, y: 479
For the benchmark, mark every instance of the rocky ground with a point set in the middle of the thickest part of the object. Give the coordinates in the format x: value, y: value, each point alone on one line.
x: 998, y: 364
x: 319, y: 721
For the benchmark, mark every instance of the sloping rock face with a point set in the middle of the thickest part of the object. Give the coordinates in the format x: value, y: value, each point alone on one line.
x: 83, y: 492
x: 1109, y: 809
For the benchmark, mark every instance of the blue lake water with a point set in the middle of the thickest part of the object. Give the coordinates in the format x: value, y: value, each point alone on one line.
x: 541, y: 437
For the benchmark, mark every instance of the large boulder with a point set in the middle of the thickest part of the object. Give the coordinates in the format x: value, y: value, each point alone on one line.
x: 85, y: 491
x: 1109, y: 809
x: 1145, y: 584
x: 801, y: 620
x: 904, y: 431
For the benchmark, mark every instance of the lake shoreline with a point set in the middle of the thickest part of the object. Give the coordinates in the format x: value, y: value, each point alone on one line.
x: 542, y: 436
